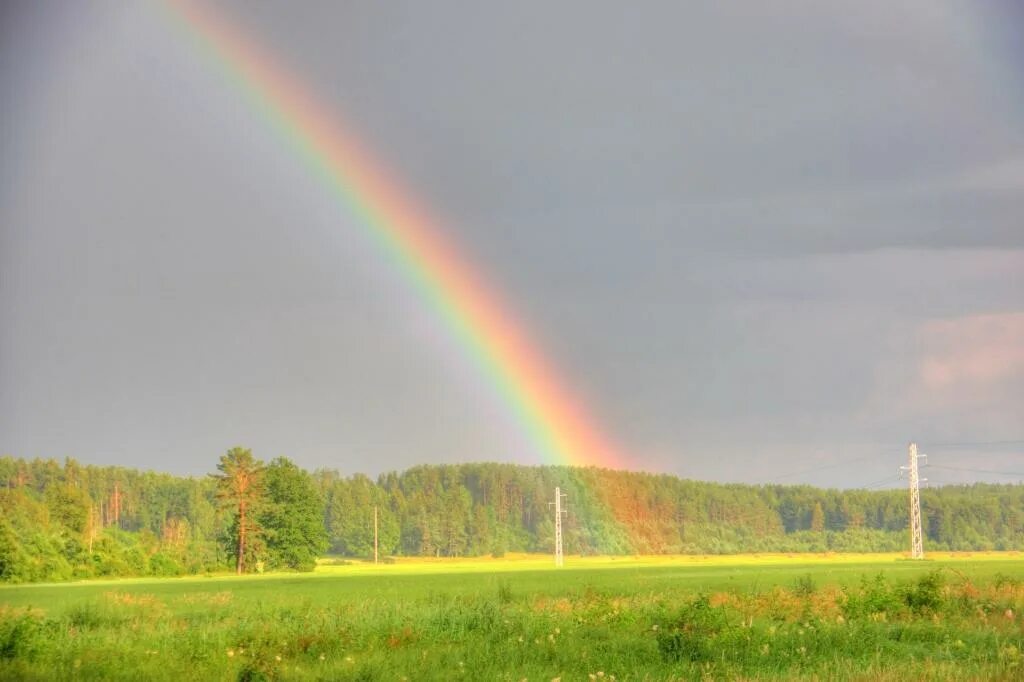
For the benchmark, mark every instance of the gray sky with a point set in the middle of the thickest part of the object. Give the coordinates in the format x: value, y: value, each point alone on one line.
x: 763, y: 244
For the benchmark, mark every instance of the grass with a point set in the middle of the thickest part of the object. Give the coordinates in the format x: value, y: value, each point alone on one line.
x: 637, y: 618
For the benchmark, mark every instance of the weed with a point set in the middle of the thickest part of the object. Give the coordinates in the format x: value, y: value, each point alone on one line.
x: 805, y: 586
x: 505, y: 592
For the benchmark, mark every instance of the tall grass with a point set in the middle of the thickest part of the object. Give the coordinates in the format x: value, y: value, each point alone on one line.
x: 934, y: 622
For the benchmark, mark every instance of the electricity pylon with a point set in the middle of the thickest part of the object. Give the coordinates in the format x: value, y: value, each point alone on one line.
x: 916, y: 538
x: 559, y: 512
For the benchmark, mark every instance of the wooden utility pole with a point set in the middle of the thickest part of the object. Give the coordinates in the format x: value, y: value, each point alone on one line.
x: 93, y: 514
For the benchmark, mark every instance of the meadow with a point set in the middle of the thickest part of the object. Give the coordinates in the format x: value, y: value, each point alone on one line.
x: 598, y: 618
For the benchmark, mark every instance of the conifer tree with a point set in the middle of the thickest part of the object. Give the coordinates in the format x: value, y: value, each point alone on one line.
x: 240, y: 490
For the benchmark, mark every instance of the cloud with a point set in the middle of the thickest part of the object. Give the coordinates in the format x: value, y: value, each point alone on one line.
x: 972, y: 355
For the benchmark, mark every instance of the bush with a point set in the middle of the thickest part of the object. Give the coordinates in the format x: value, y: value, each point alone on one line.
x: 926, y: 594
x: 691, y: 636
x: 162, y: 564
x: 20, y: 637
x: 875, y: 596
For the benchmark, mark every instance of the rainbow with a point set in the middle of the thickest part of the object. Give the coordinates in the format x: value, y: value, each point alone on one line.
x: 552, y: 417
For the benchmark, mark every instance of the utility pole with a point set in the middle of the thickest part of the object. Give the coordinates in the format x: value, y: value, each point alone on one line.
x: 916, y: 540
x: 374, y: 533
x: 559, y: 512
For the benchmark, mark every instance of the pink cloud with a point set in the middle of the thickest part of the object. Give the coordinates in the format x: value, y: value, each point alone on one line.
x: 972, y: 353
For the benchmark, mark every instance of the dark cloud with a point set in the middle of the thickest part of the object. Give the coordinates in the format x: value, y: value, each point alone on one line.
x: 729, y: 226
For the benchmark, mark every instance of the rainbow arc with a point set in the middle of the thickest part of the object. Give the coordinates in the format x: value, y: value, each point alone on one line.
x: 554, y: 418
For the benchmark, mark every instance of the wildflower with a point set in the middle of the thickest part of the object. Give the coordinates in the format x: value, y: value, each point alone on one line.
x: 600, y: 673
x: 557, y: 631
x: 520, y: 638
x: 278, y: 657
x: 231, y: 652
x: 556, y: 679
x: 551, y: 638
x: 655, y: 627
x: 840, y: 619
x: 322, y: 657
x: 348, y: 659
x: 1009, y: 614
x: 592, y: 676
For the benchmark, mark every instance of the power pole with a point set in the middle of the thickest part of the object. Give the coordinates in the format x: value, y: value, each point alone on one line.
x: 559, y: 512
x: 916, y: 540
x: 375, y: 534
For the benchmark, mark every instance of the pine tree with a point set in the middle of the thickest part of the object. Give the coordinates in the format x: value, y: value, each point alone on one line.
x: 240, y: 490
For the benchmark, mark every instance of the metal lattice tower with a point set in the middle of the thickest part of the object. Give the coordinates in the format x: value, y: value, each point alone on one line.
x: 559, y: 512
x: 914, y: 481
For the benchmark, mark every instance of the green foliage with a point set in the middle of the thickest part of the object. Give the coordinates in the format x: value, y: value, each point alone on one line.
x: 504, y: 592
x: 61, y: 521
x: 925, y: 595
x: 240, y: 493
x: 691, y: 635
x: 292, y: 517
x: 875, y: 597
x: 13, y: 560
x: 805, y: 586
x: 21, y: 636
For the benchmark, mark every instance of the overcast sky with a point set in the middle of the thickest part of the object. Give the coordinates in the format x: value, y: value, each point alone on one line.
x: 763, y: 244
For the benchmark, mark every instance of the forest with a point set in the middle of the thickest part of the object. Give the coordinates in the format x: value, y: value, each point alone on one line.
x: 62, y: 521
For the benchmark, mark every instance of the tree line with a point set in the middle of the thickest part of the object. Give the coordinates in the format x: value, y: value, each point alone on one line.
x: 66, y: 520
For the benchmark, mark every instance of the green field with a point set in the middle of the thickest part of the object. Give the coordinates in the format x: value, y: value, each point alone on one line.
x: 625, y: 618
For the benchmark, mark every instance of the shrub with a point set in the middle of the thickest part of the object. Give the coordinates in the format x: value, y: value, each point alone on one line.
x: 875, y: 596
x: 164, y: 565
x: 20, y: 637
x: 926, y: 594
x: 691, y: 636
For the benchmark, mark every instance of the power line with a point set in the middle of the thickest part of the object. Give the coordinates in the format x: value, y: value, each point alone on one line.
x: 973, y: 444
x: 830, y: 465
x: 880, y: 483
x: 812, y: 470
x: 978, y: 471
